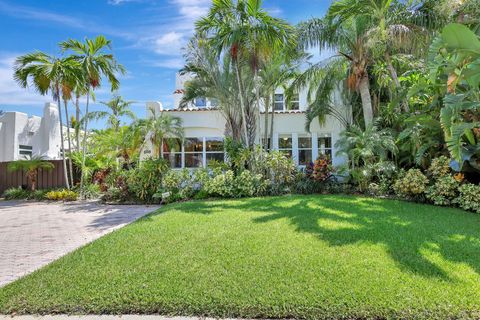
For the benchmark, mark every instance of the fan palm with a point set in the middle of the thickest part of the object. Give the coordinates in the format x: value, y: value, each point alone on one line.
x: 48, y: 74
x: 364, y: 147
x: 238, y: 28
x: 30, y: 167
x: 95, y: 63
x: 117, y: 108
x: 351, y: 63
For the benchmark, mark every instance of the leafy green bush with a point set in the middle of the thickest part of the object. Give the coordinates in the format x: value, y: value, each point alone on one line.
x: 411, y: 185
x: 92, y: 190
x: 145, y: 181
x: 19, y: 193
x: 16, y: 194
x: 440, y: 167
x: 444, y: 191
x: 469, y: 198
x: 62, y: 195
x: 221, y: 185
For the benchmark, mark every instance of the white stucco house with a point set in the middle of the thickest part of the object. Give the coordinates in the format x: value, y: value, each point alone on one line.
x: 22, y: 136
x: 204, y: 131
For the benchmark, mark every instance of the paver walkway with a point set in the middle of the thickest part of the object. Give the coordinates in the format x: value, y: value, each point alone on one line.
x: 33, y: 234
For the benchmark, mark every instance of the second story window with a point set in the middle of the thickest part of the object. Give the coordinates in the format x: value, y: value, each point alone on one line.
x: 200, y: 102
x: 295, y: 102
x: 279, y: 103
x: 25, y: 150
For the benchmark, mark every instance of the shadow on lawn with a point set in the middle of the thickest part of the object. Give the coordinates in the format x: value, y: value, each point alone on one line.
x: 406, y: 229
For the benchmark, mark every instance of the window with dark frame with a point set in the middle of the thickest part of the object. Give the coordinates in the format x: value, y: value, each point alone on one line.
x: 279, y: 102
x: 304, y: 150
x: 172, y: 152
x: 193, y: 152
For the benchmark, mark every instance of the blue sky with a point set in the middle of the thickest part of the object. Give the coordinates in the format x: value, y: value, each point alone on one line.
x: 147, y: 37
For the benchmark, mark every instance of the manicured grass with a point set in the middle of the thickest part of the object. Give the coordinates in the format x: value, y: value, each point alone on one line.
x: 293, y: 256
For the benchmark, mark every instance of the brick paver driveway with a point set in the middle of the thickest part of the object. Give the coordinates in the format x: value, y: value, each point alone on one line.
x: 33, y: 234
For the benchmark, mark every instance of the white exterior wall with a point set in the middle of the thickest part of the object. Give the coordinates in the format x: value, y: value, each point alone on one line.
x: 42, y: 134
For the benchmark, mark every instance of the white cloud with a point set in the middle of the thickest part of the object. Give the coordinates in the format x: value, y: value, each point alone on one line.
x: 174, y: 63
x: 170, y: 43
x: 10, y: 92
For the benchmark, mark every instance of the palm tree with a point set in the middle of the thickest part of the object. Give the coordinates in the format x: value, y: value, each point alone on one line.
x: 160, y: 129
x: 48, y: 74
x: 213, y: 78
x: 95, y: 63
x: 117, y: 108
x: 30, y: 167
x: 364, y: 147
x: 393, y: 29
x: 281, y: 69
x: 240, y: 27
x: 351, y: 63
x: 66, y: 96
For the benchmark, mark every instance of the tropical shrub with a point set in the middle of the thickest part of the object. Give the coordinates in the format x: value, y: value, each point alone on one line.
x: 248, y: 184
x: 439, y: 167
x: 16, y: 194
x: 444, y: 191
x: 322, y: 168
x: 221, y: 185
x: 469, y: 198
x: 411, y: 185
x: 145, y: 181
x: 93, y: 191
x: 62, y: 195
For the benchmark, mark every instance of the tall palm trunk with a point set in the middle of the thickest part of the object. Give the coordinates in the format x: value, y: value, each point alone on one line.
x: 257, y: 97
x: 396, y: 81
x: 271, y: 122
x: 265, y: 135
x: 62, y: 144
x: 242, y: 102
x: 70, y: 166
x: 84, y: 146
x: 364, y: 87
x: 77, y: 119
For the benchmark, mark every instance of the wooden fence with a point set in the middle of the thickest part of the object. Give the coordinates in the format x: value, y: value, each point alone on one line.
x: 46, y: 179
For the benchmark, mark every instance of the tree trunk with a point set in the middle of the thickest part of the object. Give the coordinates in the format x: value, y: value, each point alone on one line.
x: 242, y: 103
x: 364, y: 88
x: 265, y: 136
x: 84, y: 146
x: 271, y: 122
x: 77, y: 118
x: 394, y: 76
x: 257, y: 97
x: 33, y: 179
x: 62, y: 144
x: 70, y: 166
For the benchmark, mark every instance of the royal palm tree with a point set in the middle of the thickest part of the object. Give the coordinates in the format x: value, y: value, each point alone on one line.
x: 48, y: 74
x: 351, y: 63
x: 30, y: 167
x: 243, y: 30
x: 117, y: 108
x: 95, y: 63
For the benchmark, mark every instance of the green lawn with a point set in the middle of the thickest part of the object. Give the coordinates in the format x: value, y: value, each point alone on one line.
x: 293, y: 256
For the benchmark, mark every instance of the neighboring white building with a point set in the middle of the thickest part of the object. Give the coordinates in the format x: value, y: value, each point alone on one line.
x: 22, y: 136
x: 205, y: 126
